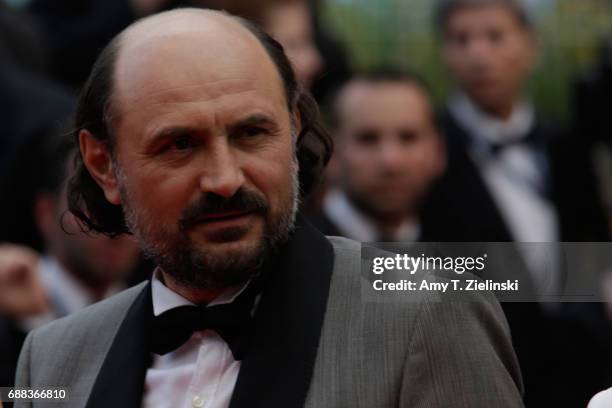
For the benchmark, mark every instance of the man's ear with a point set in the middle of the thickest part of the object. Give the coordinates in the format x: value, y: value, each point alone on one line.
x: 97, y: 158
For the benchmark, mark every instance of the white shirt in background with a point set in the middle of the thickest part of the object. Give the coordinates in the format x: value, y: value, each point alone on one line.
x: 354, y: 225
x: 602, y: 400
x: 510, y: 177
x: 66, y: 294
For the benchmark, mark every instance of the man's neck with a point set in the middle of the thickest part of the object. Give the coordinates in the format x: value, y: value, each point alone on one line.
x: 502, y: 112
x: 389, y: 227
x: 357, y: 224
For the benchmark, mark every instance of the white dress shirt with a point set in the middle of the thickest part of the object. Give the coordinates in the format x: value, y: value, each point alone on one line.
x: 511, y: 177
x: 200, y: 373
x: 602, y: 400
x: 354, y: 225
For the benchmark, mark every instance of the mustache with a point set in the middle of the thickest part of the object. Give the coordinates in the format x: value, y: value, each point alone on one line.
x: 243, y: 200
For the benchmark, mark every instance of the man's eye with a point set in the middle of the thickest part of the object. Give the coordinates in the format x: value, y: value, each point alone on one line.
x: 461, y: 39
x: 253, y: 131
x: 407, y: 136
x: 495, y: 36
x: 183, y: 143
x: 367, y: 138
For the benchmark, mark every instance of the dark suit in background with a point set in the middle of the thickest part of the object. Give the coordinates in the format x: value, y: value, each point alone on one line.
x: 461, y: 207
x: 561, y: 360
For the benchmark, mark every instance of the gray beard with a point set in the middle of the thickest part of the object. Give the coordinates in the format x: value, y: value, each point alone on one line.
x: 200, y: 269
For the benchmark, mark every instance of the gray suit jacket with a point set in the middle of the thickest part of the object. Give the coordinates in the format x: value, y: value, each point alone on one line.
x: 332, y: 349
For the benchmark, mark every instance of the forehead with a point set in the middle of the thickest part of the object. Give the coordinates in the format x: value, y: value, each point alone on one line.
x: 491, y: 14
x: 182, y: 62
x: 385, y: 103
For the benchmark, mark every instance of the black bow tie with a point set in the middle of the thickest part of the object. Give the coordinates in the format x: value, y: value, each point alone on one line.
x: 529, y: 140
x: 232, y: 321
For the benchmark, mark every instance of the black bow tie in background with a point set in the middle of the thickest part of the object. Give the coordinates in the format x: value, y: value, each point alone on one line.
x: 232, y: 321
x: 528, y: 140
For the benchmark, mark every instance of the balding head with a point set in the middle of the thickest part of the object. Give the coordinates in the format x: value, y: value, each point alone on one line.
x: 146, y: 53
x: 184, y: 49
x: 214, y: 33
x: 205, y: 51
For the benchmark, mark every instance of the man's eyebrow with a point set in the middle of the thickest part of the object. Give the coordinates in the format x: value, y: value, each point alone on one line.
x: 255, y: 120
x: 169, y: 132
x: 174, y: 131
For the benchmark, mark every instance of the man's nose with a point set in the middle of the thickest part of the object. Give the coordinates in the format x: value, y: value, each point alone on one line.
x: 479, y: 51
x: 222, y: 173
x: 391, y: 156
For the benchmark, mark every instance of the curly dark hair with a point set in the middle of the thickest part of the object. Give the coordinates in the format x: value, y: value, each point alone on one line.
x: 95, y: 113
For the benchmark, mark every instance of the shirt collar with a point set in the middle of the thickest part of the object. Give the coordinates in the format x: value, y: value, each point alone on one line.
x: 353, y: 224
x: 486, y: 128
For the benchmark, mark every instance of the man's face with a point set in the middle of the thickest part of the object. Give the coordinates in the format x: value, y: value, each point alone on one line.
x: 489, y: 53
x: 388, y: 149
x: 204, y: 154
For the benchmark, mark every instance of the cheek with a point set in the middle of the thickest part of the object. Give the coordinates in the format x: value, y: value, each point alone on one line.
x: 356, y: 163
x: 361, y: 176
x: 160, y: 196
x: 270, y: 173
x: 458, y: 62
x: 515, y: 59
x: 357, y: 155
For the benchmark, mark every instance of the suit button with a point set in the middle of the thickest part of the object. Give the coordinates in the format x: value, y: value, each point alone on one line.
x: 197, y: 402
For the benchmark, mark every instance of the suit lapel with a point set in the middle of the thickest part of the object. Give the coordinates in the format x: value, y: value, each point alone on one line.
x: 481, y: 204
x: 120, y: 382
x: 279, y: 366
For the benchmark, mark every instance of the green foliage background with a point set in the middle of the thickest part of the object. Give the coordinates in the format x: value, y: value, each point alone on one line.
x: 400, y: 33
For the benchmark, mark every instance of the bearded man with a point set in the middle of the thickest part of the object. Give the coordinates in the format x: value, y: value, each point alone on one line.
x: 195, y: 136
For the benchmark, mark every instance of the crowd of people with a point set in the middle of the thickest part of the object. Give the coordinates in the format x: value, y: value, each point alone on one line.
x: 485, y: 166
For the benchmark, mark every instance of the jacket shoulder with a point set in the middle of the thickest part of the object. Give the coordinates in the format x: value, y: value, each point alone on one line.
x: 347, y: 256
x: 101, y: 317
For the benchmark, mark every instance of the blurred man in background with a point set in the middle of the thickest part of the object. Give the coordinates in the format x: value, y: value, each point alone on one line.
x: 75, y: 271
x: 388, y: 153
x: 514, y: 177
x: 519, y: 178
